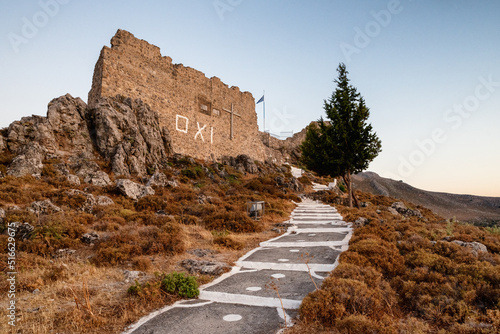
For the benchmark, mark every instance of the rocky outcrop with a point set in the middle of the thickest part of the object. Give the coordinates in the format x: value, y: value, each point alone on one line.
x: 89, y: 170
x: 124, y: 132
x: 401, y: 208
x: 28, y: 161
x: 43, y: 207
x: 131, y: 276
x: 361, y: 221
x: 127, y: 133
x: 2, y: 215
x: 159, y: 179
x: 133, y: 190
x: 89, y: 201
x: 23, y: 230
x: 242, y: 162
x: 291, y: 183
x: 90, y: 238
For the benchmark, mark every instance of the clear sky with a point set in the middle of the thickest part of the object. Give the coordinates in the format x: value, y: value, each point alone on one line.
x: 429, y: 70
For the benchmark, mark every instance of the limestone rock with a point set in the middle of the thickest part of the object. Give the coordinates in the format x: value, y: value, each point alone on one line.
x: 90, y: 238
x: 63, y: 131
x: 247, y: 163
x: 104, y: 201
x: 295, y: 185
x: 2, y: 214
x: 393, y: 211
x: 61, y: 169
x: 200, y: 252
x: 64, y: 252
x: 361, y: 221
x: 401, y: 208
x: 242, y: 162
x: 73, y: 179
x: 475, y: 247
x: 67, y: 117
x: 205, y: 267
x: 90, y: 200
x: 23, y: 231
x: 132, y: 275
x: 173, y: 183
x: 158, y: 179
x: 127, y: 132
x: 204, y: 199
x: 84, y: 164
x: 28, y: 161
x: 280, y: 180
x: 43, y: 207
x: 3, y: 145
x: 99, y: 178
x: 133, y: 190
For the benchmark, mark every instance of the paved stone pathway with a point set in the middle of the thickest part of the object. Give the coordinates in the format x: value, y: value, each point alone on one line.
x: 245, y: 300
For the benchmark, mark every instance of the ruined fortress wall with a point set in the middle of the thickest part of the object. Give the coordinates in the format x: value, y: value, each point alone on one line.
x: 189, y: 104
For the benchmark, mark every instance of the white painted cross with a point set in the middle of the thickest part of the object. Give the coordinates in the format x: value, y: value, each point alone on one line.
x: 232, y: 119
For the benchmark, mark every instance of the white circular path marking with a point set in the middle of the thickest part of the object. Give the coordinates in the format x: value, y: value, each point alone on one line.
x: 278, y: 276
x: 283, y: 260
x: 294, y: 250
x: 254, y: 288
x: 232, y: 317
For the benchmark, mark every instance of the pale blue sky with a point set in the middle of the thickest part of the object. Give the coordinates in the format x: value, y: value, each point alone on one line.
x: 415, y: 62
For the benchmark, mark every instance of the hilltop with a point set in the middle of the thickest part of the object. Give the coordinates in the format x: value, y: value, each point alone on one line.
x: 475, y: 209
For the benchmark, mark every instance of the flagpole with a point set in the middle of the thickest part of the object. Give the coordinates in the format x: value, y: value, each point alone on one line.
x: 264, y: 110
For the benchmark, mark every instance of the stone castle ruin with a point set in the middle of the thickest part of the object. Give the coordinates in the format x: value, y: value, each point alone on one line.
x: 141, y: 110
x: 205, y: 117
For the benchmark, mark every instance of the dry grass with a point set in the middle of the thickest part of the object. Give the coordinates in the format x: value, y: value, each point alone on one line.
x: 86, y: 292
x: 403, y: 275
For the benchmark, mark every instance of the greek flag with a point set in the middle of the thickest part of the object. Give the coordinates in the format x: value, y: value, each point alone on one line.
x: 261, y: 100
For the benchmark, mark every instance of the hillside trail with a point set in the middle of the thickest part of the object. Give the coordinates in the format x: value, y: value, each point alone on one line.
x: 263, y: 291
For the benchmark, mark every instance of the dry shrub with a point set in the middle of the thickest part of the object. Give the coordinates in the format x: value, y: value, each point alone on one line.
x: 56, y: 272
x: 305, y: 180
x: 233, y: 221
x: 151, y: 203
x: 121, y: 246
x: 350, y: 290
x: 228, y: 242
x: 426, y: 285
x: 326, y: 196
x: 184, y: 194
x: 341, y: 297
x: 187, y: 219
x: 53, y: 232
x: 142, y: 263
x: 293, y: 197
x: 356, y: 324
x: 109, y: 224
x: 23, y: 190
x: 382, y: 255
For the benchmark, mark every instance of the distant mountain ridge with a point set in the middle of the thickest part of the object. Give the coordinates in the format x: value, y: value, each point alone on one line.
x: 470, y: 208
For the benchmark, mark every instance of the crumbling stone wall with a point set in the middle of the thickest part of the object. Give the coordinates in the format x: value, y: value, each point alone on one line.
x: 287, y: 150
x: 189, y: 104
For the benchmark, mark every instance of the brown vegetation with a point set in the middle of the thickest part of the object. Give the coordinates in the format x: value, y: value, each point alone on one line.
x: 404, y: 275
x: 67, y: 285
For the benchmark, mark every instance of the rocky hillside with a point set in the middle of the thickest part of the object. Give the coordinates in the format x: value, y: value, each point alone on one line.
x: 476, y: 209
x: 98, y: 201
x: 118, y: 131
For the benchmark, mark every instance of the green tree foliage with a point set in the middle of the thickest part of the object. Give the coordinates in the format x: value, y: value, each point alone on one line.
x: 345, y: 144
